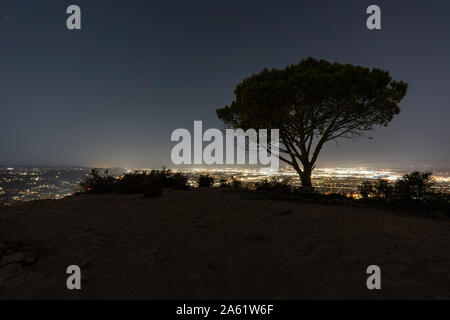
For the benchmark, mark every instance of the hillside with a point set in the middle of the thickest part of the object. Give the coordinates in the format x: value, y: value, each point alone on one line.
x: 218, y: 244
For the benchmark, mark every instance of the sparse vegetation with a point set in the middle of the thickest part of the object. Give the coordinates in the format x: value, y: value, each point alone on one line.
x: 274, y: 185
x: 415, y: 185
x: 412, y: 191
x: 99, y: 182
x: 148, y: 183
x: 177, y: 181
x: 205, y: 181
x: 380, y: 189
x: 236, y: 183
x: 139, y: 182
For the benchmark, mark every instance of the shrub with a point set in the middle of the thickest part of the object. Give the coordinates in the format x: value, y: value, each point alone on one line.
x: 236, y: 183
x: 413, y: 191
x: 134, y: 182
x: 139, y: 182
x: 163, y: 176
x: 264, y: 185
x: 176, y: 181
x: 149, y: 183
x: 99, y: 182
x: 414, y: 185
x: 205, y: 181
x: 383, y: 189
x: 380, y: 189
x: 437, y: 202
x: 224, y: 183
x: 273, y: 185
x: 366, y: 189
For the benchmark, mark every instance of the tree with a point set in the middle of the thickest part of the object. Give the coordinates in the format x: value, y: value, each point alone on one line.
x: 414, y: 185
x: 311, y: 103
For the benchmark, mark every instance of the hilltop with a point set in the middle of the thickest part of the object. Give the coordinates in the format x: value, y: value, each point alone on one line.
x: 218, y: 244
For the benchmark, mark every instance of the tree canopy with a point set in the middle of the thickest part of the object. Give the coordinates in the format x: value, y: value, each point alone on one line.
x: 313, y: 102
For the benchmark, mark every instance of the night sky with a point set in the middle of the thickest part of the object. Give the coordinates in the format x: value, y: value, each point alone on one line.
x: 112, y: 93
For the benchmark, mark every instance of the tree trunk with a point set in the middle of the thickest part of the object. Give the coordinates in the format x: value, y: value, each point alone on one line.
x: 305, y: 177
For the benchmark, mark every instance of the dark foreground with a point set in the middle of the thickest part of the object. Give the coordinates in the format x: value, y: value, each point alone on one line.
x: 217, y: 244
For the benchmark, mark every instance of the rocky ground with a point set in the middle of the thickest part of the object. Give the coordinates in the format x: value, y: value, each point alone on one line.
x: 218, y: 244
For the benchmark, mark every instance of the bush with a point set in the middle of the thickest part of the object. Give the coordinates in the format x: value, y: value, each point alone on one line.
x: 273, y: 185
x: 433, y: 202
x: 99, y: 182
x: 176, y: 181
x: 366, y: 189
x: 224, y: 183
x: 264, y: 185
x: 205, y: 181
x: 149, y: 183
x: 380, y: 189
x: 383, y: 189
x: 413, y: 191
x: 234, y: 183
x: 139, y: 182
x: 135, y: 182
x: 414, y: 185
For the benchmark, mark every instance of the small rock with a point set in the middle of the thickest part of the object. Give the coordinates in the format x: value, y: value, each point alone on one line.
x: 12, y: 258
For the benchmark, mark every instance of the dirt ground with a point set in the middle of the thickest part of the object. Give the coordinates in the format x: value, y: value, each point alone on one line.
x: 218, y: 244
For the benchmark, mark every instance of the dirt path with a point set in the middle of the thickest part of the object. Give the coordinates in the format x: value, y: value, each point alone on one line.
x: 218, y: 245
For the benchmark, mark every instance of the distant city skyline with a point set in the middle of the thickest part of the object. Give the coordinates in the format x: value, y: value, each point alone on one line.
x: 24, y: 184
x: 110, y: 94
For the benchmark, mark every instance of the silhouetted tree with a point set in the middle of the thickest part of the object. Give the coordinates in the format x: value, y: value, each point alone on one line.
x: 380, y: 189
x: 311, y: 103
x: 414, y: 185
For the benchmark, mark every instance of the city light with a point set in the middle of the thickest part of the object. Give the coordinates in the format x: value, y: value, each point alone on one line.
x: 22, y: 184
